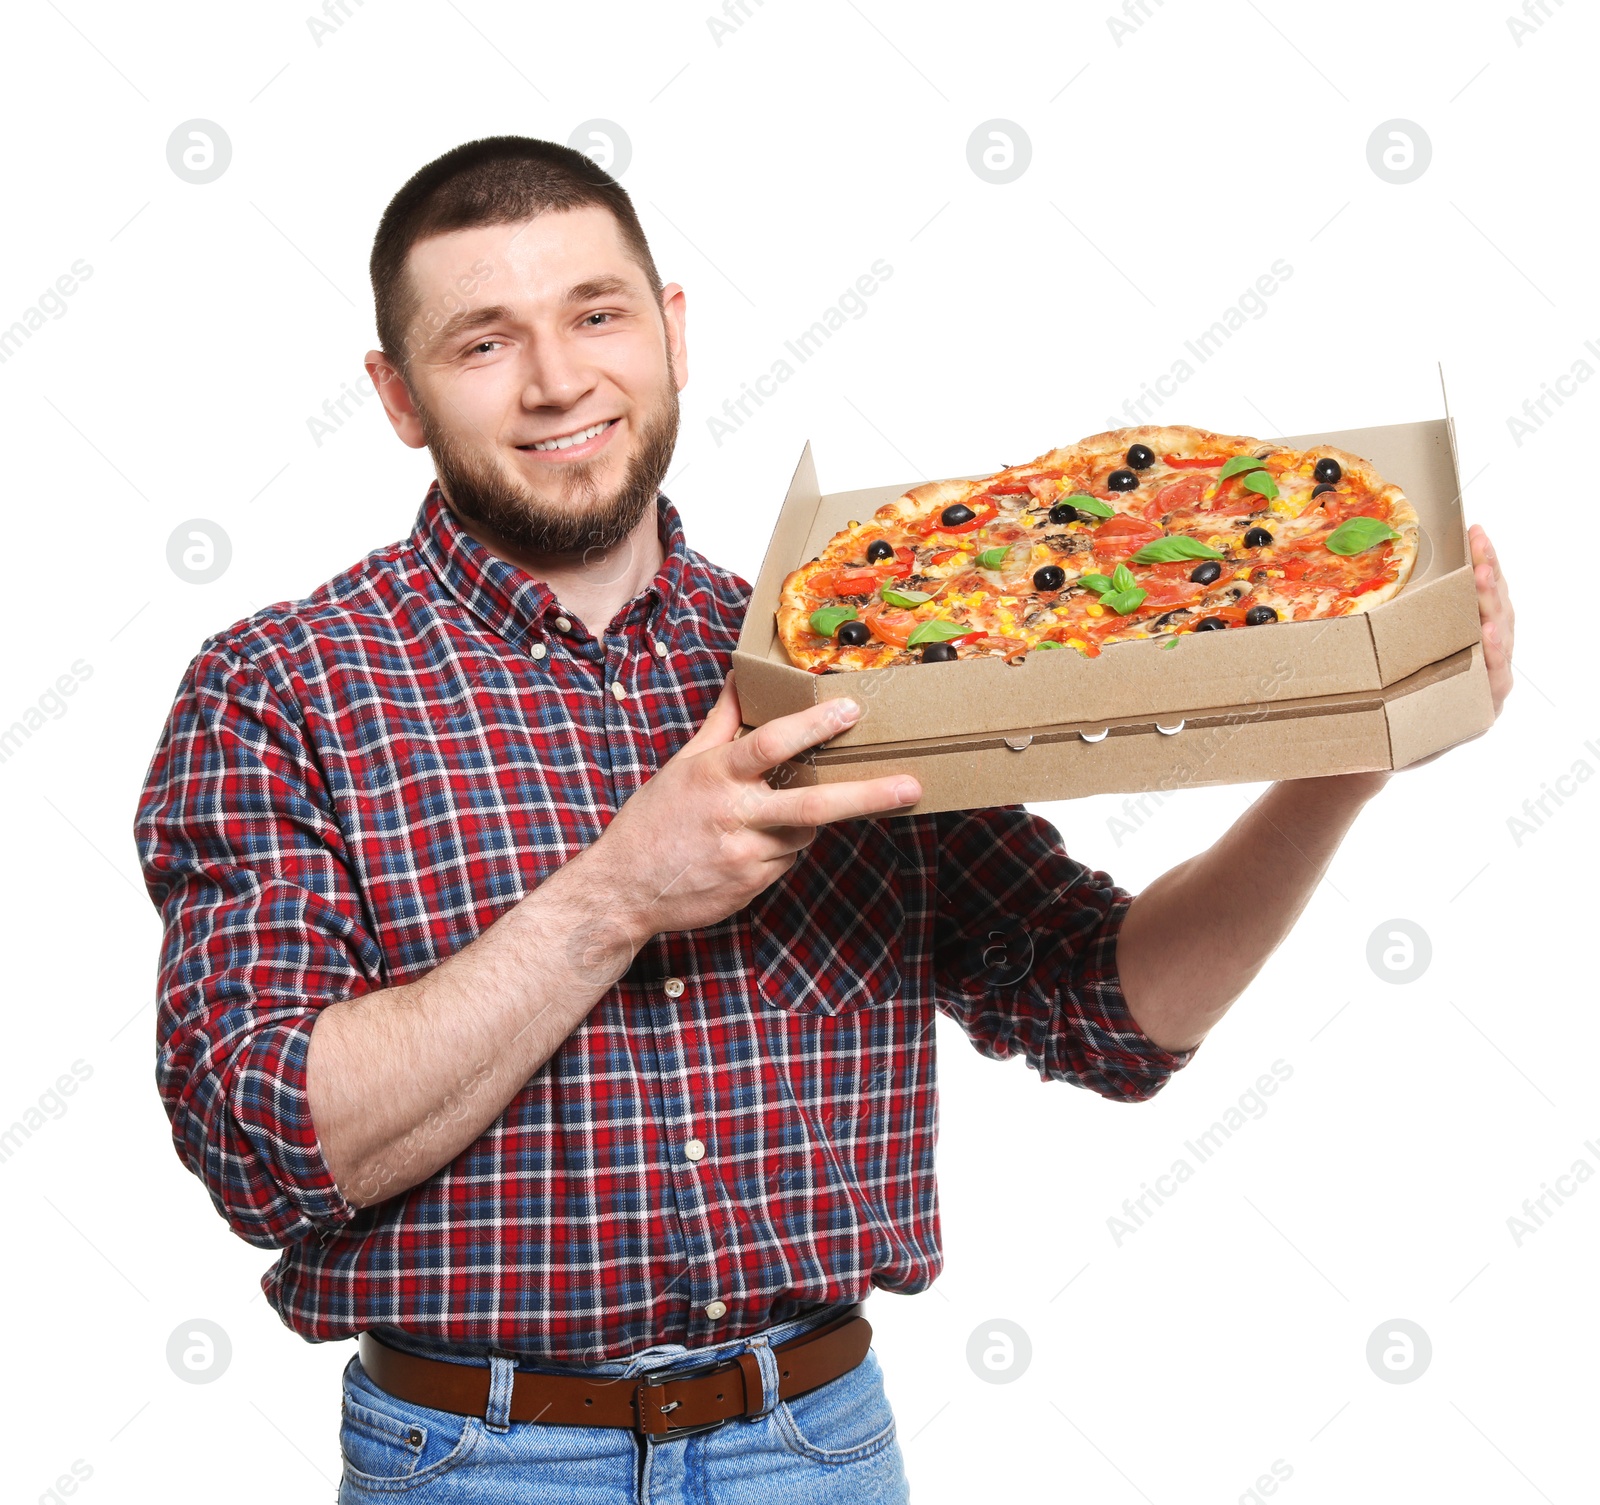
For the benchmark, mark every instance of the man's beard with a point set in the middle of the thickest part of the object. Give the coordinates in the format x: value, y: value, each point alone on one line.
x: 583, y: 522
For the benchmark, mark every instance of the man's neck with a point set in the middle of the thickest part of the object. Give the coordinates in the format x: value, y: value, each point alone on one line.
x: 591, y: 586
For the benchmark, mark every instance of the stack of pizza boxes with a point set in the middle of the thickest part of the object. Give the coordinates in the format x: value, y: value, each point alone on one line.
x: 1380, y: 689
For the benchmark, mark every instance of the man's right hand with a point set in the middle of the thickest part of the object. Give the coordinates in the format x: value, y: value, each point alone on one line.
x: 707, y: 833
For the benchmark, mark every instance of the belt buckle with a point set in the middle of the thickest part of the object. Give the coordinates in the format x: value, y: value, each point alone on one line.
x: 658, y: 1377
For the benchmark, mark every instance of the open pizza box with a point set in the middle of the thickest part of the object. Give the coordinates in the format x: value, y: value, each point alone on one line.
x: 1380, y: 689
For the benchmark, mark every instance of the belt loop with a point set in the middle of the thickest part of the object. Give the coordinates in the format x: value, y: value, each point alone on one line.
x: 769, y: 1375
x: 497, y: 1415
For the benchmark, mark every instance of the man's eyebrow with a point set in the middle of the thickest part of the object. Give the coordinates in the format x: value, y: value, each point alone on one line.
x: 471, y: 318
x: 599, y: 287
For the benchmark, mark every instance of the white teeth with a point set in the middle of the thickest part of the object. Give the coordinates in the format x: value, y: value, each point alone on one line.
x: 568, y: 440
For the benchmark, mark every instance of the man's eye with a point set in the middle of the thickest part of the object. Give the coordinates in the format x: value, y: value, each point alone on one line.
x: 594, y: 316
x: 482, y: 346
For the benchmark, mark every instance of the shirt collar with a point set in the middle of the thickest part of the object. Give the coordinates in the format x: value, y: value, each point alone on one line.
x: 513, y: 603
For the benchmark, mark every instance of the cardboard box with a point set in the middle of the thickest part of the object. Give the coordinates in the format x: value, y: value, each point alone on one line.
x: 1376, y: 690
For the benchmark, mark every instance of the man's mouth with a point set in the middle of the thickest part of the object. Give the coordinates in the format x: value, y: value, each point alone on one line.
x: 576, y: 439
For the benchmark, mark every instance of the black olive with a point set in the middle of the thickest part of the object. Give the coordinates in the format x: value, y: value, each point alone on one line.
x: 1205, y: 572
x: 1210, y: 624
x: 1049, y: 577
x: 1259, y: 616
x: 1328, y: 470
x: 1317, y: 491
x: 1122, y: 480
x: 878, y: 549
x: 955, y: 514
x: 1257, y: 538
x: 938, y: 653
x: 1063, y: 512
x: 854, y: 634
x: 1141, y: 457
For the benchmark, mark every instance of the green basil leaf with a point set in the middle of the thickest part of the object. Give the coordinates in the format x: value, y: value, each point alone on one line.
x: 1090, y: 504
x: 1173, y: 548
x: 936, y: 630
x: 827, y: 620
x: 1170, y: 643
x: 1122, y: 579
x: 903, y: 598
x: 1262, y: 484
x: 992, y: 559
x: 1096, y: 582
x: 1240, y: 463
x: 1357, y: 534
x: 1048, y: 643
x: 1123, y: 601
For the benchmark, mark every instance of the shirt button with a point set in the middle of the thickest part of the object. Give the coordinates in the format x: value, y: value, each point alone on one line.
x: 695, y: 1149
x: 717, y: 1309
x: 538, y: 650
x: 618, y: 690
x: 673, y: 987
x: 563, y: 624
x: 660, y: 649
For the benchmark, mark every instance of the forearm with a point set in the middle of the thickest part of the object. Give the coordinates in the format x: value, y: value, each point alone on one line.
x: 1194, y: 938
x: 401, y: 1081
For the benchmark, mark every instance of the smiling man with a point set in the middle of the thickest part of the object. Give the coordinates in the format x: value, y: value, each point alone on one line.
x: 584, y: 1076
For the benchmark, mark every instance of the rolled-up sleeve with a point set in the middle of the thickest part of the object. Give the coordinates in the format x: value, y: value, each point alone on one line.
x: 1025, y: 956
x: 262, y: 927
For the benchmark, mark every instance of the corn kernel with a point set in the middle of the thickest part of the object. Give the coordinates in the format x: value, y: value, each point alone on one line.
x: 1076, y: 643
x: 1275, y: 572
x: 1097, y: 611
x: 1241, y: 574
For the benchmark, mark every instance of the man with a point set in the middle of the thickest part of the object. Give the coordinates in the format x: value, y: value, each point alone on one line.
x: 554, y: 1048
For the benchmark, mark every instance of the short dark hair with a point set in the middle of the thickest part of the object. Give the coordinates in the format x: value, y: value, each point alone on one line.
x: 496, y: 180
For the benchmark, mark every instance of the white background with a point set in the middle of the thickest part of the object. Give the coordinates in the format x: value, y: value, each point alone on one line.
x: 772, y: 165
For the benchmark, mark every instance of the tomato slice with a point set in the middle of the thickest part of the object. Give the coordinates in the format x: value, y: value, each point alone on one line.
x: 1194, y: 462
x: 1163, y: 595
x: 861, y: 581
x: 1009, y: 488
x: 1118, y: 537
x: 889, y: 624
x: 1382, y: 578
x: 1177, y: 495
x: 1119, y: 527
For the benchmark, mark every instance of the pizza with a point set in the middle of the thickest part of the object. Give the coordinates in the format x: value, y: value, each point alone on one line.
x: 1135, y: 533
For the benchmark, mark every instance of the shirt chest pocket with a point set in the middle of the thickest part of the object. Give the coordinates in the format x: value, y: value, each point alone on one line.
x: 828, y: 937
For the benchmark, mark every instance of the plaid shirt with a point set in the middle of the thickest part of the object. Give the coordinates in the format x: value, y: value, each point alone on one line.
x: 351, y: 787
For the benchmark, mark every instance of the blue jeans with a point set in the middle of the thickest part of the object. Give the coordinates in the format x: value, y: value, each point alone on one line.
x: 834, y: 1445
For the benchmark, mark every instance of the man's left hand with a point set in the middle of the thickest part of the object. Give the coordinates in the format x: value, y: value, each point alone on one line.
x: 1494, y: 612
x: 1497, y: 621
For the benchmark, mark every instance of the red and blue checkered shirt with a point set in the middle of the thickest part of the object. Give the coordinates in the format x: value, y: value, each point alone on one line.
x: 351, y: 787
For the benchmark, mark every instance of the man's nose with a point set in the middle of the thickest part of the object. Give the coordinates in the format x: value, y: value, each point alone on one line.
x: 556, y: 375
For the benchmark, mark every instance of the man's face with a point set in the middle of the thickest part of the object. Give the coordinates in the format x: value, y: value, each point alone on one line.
x: 548, y: 395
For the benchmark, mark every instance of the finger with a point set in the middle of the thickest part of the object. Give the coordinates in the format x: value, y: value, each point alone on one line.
x: 722, y: 722
x: 824, y: 803
x: 788, y: 736
x: 1498, y: 662
x: 787, y: 839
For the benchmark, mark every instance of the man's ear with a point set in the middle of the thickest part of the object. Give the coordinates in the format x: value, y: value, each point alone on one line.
x: 396, y: 398
x: 672, y: 315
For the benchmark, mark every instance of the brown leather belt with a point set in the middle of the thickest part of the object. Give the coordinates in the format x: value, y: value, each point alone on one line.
x: 665, y: 1403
